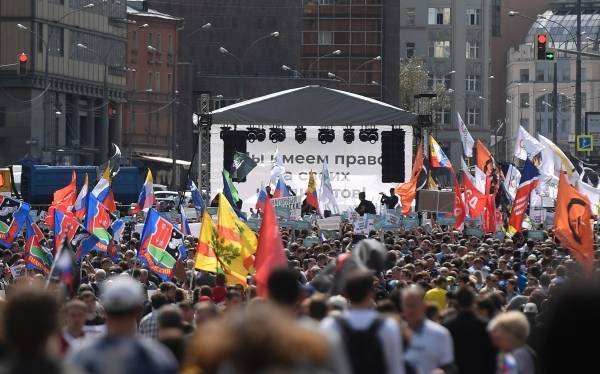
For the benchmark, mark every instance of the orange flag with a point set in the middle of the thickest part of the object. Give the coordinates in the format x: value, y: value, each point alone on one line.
x: 485, y: 161
x: 63, y: 200
x: 270, y: 254
x: 407, y: 191
x: 572, y: 223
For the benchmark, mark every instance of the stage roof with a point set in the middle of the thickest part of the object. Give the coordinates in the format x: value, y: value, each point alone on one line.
x: 312, y: 106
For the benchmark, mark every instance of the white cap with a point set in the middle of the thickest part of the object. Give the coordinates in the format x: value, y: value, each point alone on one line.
x: 122, y: 294
x: 530, y: 308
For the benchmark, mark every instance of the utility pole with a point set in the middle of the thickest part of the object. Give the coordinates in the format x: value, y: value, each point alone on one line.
x: 555, y: 103
x: 578, y: 74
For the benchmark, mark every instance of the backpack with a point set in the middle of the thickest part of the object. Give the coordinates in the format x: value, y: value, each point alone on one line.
x: 363, y: 347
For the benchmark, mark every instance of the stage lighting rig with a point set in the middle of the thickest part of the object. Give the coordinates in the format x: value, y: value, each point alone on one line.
x: 261, y: 134
x: 348, y: 135
x: 224, y: 129
x: 300, y: 134
x: 277, y: 134
x: 252, y: 134
x: 326, y: 135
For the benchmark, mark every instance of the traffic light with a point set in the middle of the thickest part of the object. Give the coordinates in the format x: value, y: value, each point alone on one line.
x: 550, y: 54
x: 23, y: 58
x: 541, y: 43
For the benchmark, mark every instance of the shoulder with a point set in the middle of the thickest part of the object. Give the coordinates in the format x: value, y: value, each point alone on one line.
x: 435, y: 329
x: 157, y: 351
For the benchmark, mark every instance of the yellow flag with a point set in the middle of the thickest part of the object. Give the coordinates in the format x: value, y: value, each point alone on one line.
x: 236, y: 244
x: 205, y: 250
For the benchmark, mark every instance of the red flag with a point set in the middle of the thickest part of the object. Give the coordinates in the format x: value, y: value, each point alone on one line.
x: 485, y: 161
x: 269, y: 254
x: 529, y: 181
x: 474, y: 199
x: 489, y: 215
x: 459, y: 207
x: 407, y: 191
x: 63, y: 200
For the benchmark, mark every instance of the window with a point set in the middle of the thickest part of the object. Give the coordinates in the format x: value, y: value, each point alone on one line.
x: 473, y: 17
x: 583, y: 74
x: 410, y: 50
x: 544, y: 71
x: 133, y: 80
x: 473, y: 82
x: 524, y: 100
x: 563, y: 126
x: 170, y: 82
x: 40, y: 38
x: 133, y: 118
x: 439, y: 49
x: 410, y: 16
x: 442, y: 117
x: 472, y: 50
x: 170, y: 41
x: 524, y: 75
x: 149, y: 85
x: 157, y: 81
x: 325, y: 37
x: 583, y: 100
x: 326, y: 2
x: 549, y: 126
x: 150, y: 39
x: 438, y: 80
x: 159, y: 42
x: 473, y: 116
x: 56, y: 44
x: 439, y: 16
x: 496, y: 18
x: 564, y: 71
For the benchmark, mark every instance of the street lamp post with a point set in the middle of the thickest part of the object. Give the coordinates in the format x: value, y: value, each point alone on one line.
x: 337, y: 52
x: 376, y: 58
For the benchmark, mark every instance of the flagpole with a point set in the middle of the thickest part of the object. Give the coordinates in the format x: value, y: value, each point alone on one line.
x: 187, y: 178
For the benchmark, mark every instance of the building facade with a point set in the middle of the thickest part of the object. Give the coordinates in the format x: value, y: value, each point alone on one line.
x: 507, y: 32
x: 355, y: 42
x: 452, y: 38
x: 529, y: 91
x: 67, y: 107
x: 149, y: 120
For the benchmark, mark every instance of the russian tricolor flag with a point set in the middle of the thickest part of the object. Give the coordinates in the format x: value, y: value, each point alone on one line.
x: 281, y: 189
x: 146, y: 198
x: 80, y: 203
x: 262, y: 198
x: 103, y: 192
x: 438, y: 158
x: 185, y: 225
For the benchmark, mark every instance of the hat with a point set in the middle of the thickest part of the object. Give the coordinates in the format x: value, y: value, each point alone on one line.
x: 338, y: 301
x: 205, y: 298
x: 532, y: 258
x: 530, y: 308
x: 122, y: 294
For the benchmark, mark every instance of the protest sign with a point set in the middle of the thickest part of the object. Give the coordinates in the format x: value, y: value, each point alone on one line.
x: 535, y: 234
x: 329, y: 223
x: 473, y: 231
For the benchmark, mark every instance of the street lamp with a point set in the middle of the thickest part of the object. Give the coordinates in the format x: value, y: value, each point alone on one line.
x: 287, y: 68
x: 335, y: 77
x: 337, y: 52
x: 376, y: 58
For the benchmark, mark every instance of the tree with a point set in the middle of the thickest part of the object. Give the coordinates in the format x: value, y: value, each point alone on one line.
x: 413, y: 81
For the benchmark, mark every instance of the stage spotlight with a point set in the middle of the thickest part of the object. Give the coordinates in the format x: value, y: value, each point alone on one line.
x: 277, y: 134
x: 326, y: 135
x: 349, y: 135
x: 261, y: 134
x: 300, y: 134
x: 252, y: 134
x: 373, y: 136
x: 224, y: 129
x: 363, y: 135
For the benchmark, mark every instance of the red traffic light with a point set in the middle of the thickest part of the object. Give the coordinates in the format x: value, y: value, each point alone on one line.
x: 23, y: 58
x: 542, y: 38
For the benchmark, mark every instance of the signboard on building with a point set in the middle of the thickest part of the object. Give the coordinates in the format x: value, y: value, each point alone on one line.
x: 585, y: 143
x: 592, y: 122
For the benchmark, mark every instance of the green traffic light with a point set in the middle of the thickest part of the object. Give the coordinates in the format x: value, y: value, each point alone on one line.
x: 550, y: 56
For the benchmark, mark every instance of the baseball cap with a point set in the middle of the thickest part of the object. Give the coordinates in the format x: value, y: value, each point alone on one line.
x: 122, y: 294
x: 530, y: 308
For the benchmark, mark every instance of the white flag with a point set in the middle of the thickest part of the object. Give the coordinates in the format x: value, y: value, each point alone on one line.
x: 465, y: 137
x: 554, y: 160
x: 463, y: 165
x: 526, y: 146
x: 277, y: 169
x: 480, y: 179
x: 326, y: 196
x: 592, y: 193
x: 511, y: 180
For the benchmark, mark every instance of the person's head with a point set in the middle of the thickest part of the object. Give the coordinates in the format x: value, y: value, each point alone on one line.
x: 157, y: 300
x: 170, y: 330
x: 359, y: 287
x: 89, y: 299
x: 204, y: 311
x: 234, y: 300
x: 361, y: 196
x: 392, y: 191
x: 317, y: 307
x: 75, y: 315
x: 509, y: 330
x: 30, y: 321
x: 283, y: 287
x: 465, y: 298
x: 220, y: 279
x: 169, y: 290
x: 413, y: 306
x: 143, y: 276
x: 432, y: 312
x: 100, y: 275
x: 441, y: 282
x: 122, y: 299
x: 187, y: 311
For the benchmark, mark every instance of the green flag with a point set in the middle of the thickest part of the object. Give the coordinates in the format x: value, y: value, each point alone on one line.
x: 229, y: 188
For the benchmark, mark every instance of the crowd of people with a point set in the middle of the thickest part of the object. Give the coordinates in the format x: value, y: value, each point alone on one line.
x: 393, y: 302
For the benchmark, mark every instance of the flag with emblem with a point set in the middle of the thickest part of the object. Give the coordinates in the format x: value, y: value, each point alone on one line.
x: 37, y: 256
x: 13, y: 214
x: 68, y: 229
x: 103, y: 192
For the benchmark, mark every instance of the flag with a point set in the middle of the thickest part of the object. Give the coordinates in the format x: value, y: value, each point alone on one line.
x: 65, y: 266
x: 587, y: 172
x: 475, y: 200
x: 231, y: 194
x: 146, y: 198
x: 281, y: 189
x: 104, y: 225
x: 37, y: 256
x: 262, y: 197
x: 103, y: 192
x: 463, y: 165
x: 326, y: 196
x: 407, y: 191
x: 554, y: 159
x: 593, y: 195
x: 485, y: 161
x: 465, y: 137
x: 459, y: 207
x: 80, y: 202
x: 206, y: 259
x: 236, y: 243
x: 423, y: 178
x: 270, y: 254
x: 185, y: 226
x: 489, y: 214
x: 572, y: 223
x: 526, y: 146
x: 529, y: 181
x: 437, y: 157
x: 511, y: 181
x: 68, y: 229
x: 63, y: 199
x: 13, y: 215
x: 311, y: 192
x: 277, y: 168
x: 242, y: 166
x: 196, y: 197
x: 161, y: 245
x: 480, y: 180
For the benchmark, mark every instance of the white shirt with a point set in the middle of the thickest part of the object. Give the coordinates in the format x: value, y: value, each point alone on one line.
x: 389, y: 335
x: 430, y: 348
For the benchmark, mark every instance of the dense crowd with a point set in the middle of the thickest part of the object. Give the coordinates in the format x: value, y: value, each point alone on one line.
x: 396, y: 302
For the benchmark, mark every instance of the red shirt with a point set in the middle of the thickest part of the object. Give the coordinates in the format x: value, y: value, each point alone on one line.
x: 219, y: 294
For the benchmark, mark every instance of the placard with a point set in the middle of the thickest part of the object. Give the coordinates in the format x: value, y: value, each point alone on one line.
x: 473, y: 231
x: 329, y: 223
x: 310, y: 241
x: 535, y: 234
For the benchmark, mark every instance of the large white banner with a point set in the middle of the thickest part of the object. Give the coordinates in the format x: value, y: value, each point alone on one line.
x: 353, y: 167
